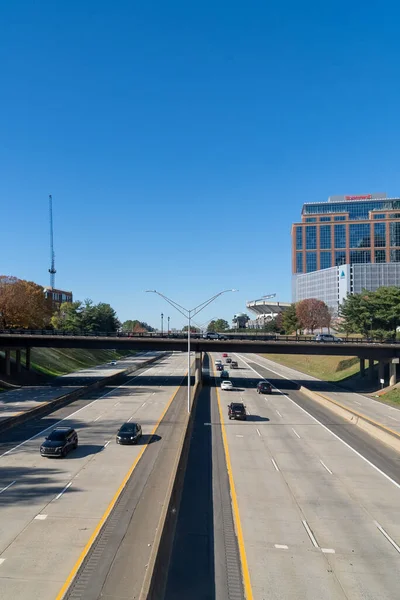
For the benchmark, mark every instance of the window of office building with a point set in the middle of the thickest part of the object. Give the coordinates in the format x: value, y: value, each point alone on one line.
x: 395, y: 234
x: 340, y: 258
x: 340, y: 236
x: 299, y: 238
x: 340, y: 218
x: 395, y: 256
x: 380, y: 216
x: 311, y: 219
x: 356, y: 210
x: 395, y: 216
x: 360, y: 256
x: 380, y: 235
x: 311, y: 237
x: 299, y: 262
x: 325, y: 218
x: 326, y: 260
x: 311, y: 261
x: 380, y: 256
x: 325, y: 236
x: 360, y: 235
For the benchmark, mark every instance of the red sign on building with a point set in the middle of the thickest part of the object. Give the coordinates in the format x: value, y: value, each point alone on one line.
x: 367, y: 197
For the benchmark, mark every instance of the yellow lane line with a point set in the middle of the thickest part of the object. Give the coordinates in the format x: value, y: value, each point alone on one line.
x: 109, y: 508
x: 358, y: 414
x: 235, y: 507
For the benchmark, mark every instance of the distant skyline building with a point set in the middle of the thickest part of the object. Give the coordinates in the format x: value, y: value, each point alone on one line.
x: 57, y: 296
x: 344, y: 245
x: 265, y: 311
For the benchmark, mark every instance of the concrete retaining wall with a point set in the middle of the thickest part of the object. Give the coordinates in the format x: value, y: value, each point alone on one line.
x: 377, y: 430
x: 47, y: 407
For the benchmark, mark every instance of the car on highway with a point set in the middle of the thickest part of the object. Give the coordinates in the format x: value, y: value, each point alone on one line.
x: 234, y: 364
x: 224, y: 374
x: 218, y: 362
x: 327, y: 337
x: 237, y: 410
x: 113, y: 362
x: 219, y: 367
x: 212, y: 335
x: 264, y: 387
x: 224, y: 355
x: 59, y: 442
x: 129, y: 433
x: 227, y: 386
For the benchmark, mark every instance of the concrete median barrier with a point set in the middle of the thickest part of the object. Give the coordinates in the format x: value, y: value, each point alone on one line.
x: 156, y: 574
x: 377, y: 430
x: 65, y: 399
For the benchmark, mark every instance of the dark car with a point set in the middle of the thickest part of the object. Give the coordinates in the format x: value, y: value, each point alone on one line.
x: 228, y: 360
x: 59, y: 442
x: 264, y: 387
x: 219, y: 367
x: 224, y: 374
x: 237, y: 410
x: 129, y: 433
x: 234, y: 364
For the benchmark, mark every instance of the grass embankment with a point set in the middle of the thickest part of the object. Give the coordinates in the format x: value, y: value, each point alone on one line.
x: 59, y: 361
x: 328, y: 368
x: 393, y: 396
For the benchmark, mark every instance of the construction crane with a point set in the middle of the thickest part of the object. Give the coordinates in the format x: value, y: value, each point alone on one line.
x: 52, y: 269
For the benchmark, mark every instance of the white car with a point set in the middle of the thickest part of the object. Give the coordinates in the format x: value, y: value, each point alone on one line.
x: 218, y: 362
x: 226, y: 385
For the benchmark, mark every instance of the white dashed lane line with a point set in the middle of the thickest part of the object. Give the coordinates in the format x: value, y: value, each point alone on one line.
x: 7, y: 486
x: 295, y: 432
x: 275, y: 465
x: 63, y: 491
x: 325, y: 467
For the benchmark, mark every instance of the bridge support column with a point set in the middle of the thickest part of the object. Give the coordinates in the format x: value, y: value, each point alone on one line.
x: 8, y: 362
x: 381, y: 370
x: 18, y: 360
x: 28, y: 359
x: 392, y: 373
x: 371, y: 368
x: 198, y: 367
x: 362, y: 367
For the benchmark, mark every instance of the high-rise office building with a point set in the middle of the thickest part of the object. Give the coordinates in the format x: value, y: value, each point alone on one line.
x: 344, y: 245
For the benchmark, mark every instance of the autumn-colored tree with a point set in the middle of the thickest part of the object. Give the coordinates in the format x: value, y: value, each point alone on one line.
x: 22, y: 304
x: 313, y: 313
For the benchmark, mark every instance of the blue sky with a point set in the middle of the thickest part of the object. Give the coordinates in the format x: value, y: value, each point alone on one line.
x: 179, y: 140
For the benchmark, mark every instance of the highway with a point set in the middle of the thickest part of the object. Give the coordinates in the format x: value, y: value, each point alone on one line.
x: 14, y: 402
x: 318, y: 511
x: 378, y: 411
x: 51, y: 509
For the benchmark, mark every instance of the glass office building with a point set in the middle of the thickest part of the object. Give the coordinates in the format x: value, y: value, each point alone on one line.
x: 345, y: 231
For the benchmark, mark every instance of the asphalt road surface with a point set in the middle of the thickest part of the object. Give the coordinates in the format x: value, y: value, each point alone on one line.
x: 17, y: 401
x: 50, y: 508
x: 320, y: 520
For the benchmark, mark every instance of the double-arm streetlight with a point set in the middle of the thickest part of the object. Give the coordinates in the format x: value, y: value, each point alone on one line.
x: 189, y: 314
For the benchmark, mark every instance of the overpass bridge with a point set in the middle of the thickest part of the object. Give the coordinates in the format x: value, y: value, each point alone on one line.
x: 372, y: 351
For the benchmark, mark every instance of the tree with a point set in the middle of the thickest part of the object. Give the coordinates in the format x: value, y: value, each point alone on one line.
x: 68, y: 317
x: 312, y: 313
x: 218, y: 325
x: 130, y: 325
x: 371, y: 312
x: 23, y: 304
x: 290, y: 322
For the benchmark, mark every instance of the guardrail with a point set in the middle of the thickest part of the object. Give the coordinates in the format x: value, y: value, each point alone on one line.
x: 183, y: 335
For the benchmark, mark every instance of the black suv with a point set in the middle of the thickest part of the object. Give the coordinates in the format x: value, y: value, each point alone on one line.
x: 237, y: 410
x: 59, y: 442
x: 129, y: 433
x: 264, y: 387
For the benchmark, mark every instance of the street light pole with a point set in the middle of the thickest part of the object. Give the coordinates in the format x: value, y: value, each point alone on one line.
x: 188, y: 314
x: 162, y: 324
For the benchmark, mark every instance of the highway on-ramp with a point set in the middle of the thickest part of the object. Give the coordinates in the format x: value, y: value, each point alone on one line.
x: 318, y: 501
x: 51, y: 509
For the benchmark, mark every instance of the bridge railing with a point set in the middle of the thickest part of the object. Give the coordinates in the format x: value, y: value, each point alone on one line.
x: 183, y: 335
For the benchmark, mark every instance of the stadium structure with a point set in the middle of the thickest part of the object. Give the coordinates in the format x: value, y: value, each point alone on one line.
x: 265, y: 311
